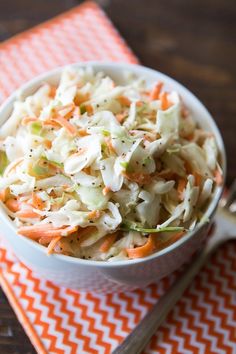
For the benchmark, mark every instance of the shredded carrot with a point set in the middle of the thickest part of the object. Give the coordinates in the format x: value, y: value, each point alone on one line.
x: 45, y: 240
x: 52, y: 244
x: 13, y: 205
x: 81, y: 151
x: 110, y: 146
x: 37, y: 202
x: 140, y: 178
x: 189, y: 137
x: 81, y: 98
x: 51, y: 122
x: 36, y: 231
x: 124, y: 101
x: 67, y: 125
x: 182, y: 182
x: 177, y: 236
x: 66, y: 110
x: 108, y: 242
x: 76, y: 112
x: 218, y: 177
x: 106, y: 190
x: 139, y: 103
x: 188, y: 167
x: 95, y: 214
x: 87, y: 170
x: 89, y: 109
x: 52, y: 92
x: 3, y: 195
x: 83, y: 132
x: 121, y: 116
x: 189, y: 170
x: 198, y: 179
x: 27, y: 120
x: 155, y: 92
x: 184, y: 111
x: 173, y: 239
x: 27, y: 213
x: 143, y: 251
x: 149, y: 138
x: 47, y: 144
x: 165, y: 103
x: 167, y: 174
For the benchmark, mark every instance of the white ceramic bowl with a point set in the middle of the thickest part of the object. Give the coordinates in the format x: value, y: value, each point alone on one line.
x: 123, y: 275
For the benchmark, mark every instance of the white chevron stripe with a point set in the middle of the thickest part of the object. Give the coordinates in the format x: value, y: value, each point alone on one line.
x: 161, y: 343
x: 221, y: 304
x: 112, y: 319
x: 98, y: 320
x: 85, y: 324
x: 194, y: 341
x: 77, y: 314
x: 130, y: 316
x: 208, y: 307
x: 39, y: 306
x: 43, y: 309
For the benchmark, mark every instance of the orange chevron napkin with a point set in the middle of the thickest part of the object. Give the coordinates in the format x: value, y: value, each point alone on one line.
x: 62, y: 321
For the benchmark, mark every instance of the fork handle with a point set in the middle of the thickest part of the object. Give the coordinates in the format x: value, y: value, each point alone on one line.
x: 136, y: 341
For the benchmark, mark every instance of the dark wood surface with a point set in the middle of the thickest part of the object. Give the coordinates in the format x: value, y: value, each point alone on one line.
x: 192, y: 41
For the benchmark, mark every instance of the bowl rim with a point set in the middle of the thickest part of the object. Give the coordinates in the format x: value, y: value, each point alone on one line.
x: 139, y: 69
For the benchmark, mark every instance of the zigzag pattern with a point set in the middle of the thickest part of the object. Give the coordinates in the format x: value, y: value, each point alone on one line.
x: 6, y: 257
x: 64, y: 321
x: 205, y: 317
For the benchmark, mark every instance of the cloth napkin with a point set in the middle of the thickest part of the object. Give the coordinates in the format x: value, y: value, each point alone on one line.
x: 59, y: 320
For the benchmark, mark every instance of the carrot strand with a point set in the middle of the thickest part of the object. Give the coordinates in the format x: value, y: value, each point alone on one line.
x: 155, y: 92
x: 67, y: 125
x: 108, y: 242
x: 52, y: 244
x: 143, y: 251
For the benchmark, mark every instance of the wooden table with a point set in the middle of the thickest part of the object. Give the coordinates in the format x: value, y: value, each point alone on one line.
x: 192, y: 41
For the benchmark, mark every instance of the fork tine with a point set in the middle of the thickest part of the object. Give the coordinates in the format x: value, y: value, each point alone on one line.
x: 231, y: 196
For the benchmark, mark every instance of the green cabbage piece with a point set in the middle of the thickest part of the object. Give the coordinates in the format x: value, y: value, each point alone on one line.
x: 3, y: 161
x: 129, y: 226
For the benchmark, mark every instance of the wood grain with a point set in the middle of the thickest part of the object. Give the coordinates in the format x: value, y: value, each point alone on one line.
x: 192, y: 41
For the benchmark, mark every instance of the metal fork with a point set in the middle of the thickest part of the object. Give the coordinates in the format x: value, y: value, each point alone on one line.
x: 225, y: 230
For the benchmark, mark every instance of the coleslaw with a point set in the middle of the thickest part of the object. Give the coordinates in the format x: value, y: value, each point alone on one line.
x: 96, y: 170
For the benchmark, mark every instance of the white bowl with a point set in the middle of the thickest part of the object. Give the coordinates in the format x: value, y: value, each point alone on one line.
x: 122, y: 275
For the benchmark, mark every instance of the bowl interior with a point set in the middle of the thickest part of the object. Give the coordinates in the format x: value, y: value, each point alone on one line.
x: 118, y: 73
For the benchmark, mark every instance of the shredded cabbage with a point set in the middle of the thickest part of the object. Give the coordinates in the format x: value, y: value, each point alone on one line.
x: 103, y: 166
